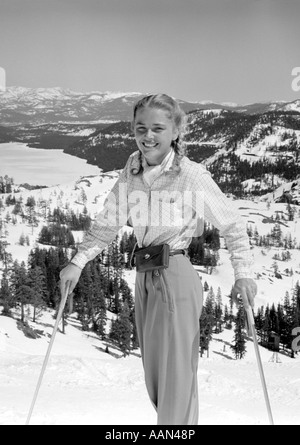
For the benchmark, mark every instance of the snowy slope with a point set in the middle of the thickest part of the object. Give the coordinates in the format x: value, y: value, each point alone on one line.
x: 257, y: 214
x: 263, y: 143
x: 291, y: 190
x: 65, y: 196
x: 83, y: 385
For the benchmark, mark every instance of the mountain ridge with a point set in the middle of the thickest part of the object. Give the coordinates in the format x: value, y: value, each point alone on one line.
x: 33, y: 106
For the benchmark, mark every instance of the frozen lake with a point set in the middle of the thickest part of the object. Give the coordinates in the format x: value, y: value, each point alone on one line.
x: 41, y: 167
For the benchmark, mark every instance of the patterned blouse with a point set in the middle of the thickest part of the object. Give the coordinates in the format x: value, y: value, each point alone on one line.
x: 171, y: 208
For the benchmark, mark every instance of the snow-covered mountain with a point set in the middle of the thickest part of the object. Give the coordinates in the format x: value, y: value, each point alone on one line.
x: 51, y: 105
x: 268, y: 136
x: 85, y: 385
x: 291, y: 106
x: 96, y: 126
x: 19, y: 105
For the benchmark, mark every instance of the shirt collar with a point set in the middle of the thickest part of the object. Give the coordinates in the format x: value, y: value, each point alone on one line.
x: 152, y: 172
x: 165, y: 165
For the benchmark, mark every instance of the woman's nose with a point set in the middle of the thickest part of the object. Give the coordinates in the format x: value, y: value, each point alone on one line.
x: 149, y: 134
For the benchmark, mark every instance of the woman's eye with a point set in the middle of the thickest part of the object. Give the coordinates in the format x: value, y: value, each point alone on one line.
x: 144, y: 129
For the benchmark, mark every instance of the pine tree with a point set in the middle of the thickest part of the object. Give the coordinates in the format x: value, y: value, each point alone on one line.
x: 99, y: 317
x: 239, y: 345
x: 207, y: 322
x: 218, y: 311
x: 31, y: 212
x: 84, y: 298
x: 5, y: 257
x: 83, y: 197
x: 274, y: 323
x: 295, y: 315
x: 6, y: 295
x: 121, y: 330
x: 275, y: 267
x: 20, y: 286
x: 259, y: 323
x: 210, y: 302
x: 56, y: 235
x: 128, y: 298
x: 266, y: 328
x: 281, y: 321
x: 17, y: 209
x: 277, y: 234
x: 227, y: 317
x: 205, y: 286
x: 290, y: 211
x: 22, y: 239
x: 38, y: 290
x: 288, y: 323
x: 296, y: 295
x: 101, y: 320
x: 51, y: 271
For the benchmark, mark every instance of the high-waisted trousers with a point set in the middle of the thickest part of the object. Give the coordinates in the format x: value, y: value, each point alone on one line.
x: 168, y: 306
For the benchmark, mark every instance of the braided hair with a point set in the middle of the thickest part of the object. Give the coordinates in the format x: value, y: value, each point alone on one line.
x: 171, y: 106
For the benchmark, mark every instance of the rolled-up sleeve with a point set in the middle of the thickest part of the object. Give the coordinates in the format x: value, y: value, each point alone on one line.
x: 108, y: 222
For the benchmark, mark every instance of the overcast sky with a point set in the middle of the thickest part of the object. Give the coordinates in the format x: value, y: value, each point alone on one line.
x: 222, y: 50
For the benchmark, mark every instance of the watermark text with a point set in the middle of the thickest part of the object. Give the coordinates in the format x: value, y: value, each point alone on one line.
x: 296, y: 80
x: 2, y: 79
x: 296, y: 341
x: 161, y: 209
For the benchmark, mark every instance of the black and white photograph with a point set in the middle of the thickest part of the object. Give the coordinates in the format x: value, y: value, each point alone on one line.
x: 149, y: 215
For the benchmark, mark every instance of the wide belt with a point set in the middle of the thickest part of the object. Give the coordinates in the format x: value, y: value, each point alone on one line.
x: 178, y: 252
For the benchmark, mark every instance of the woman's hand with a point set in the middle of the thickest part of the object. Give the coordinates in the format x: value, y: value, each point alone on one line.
x: 69, y: 278
x: 247, y: 289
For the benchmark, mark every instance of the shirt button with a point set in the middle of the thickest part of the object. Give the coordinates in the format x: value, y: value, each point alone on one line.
x: 156, y: 273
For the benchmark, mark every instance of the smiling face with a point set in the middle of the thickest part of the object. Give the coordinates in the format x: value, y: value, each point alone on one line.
x: 154, y: 132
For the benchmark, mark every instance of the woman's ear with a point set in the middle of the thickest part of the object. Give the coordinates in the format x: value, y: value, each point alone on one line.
x: 175, y: 134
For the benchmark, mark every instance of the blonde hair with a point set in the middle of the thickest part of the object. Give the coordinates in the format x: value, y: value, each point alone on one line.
x: 176, y: 114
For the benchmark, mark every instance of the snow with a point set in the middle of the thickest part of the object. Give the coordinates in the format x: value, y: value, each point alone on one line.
x: 292, y: 106
x: 260, y: 144
x: 111, y: 95
x: 59, y: 93
x: 257, y: 214
x: 215, y: 111
x: 205, y: 102
x: 85, y: 132
x: 230, y: 104
x: 83, y: 385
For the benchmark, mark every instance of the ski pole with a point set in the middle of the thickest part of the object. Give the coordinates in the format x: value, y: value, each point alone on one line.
x: 59, y: 315
x: 251, y: 324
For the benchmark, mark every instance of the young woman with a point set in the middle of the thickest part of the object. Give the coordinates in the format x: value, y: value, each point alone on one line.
x: 163, y: 196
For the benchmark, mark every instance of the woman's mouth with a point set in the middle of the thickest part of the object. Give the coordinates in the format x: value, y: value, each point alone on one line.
x: 150, y: 144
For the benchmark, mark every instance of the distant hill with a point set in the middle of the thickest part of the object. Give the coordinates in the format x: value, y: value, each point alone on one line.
x: 27, y: 106
x: 228, y: 138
